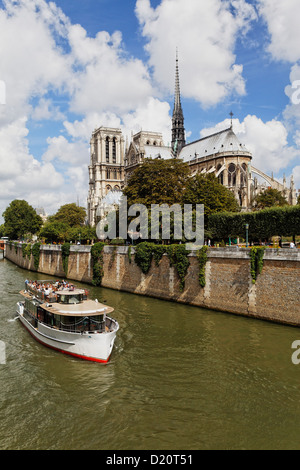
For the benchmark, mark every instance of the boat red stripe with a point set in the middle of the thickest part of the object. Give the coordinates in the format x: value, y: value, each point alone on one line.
x: 86, y: 358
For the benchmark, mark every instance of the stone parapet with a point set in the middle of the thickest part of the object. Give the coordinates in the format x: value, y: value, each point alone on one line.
x: 229, y: 288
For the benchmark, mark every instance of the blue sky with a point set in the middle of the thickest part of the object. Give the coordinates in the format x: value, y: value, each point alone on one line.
x: 69, y: 66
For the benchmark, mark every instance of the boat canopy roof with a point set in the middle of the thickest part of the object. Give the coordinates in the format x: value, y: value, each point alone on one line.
x: 87, y: 308
x: 61, y: 298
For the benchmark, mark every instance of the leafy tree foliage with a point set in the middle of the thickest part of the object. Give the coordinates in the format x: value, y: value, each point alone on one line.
x: 60, y: 232
x: 21, y: 219
x: 2, y: 230
x: 68, y: 225
x: 158, y: 181
x: 269, y: 198
x: 207, y: 190
x: 70, y: 214
x: 170, y: 182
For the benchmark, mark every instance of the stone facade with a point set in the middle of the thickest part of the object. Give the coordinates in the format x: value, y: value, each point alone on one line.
x: 106, y: 169
x: 143, y: 145
x: 275, y: 296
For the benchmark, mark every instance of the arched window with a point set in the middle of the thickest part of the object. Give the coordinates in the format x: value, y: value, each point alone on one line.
x: 107, y: 149
x: 232, y: 175
x: 114, y: 150
x: 107, y: 174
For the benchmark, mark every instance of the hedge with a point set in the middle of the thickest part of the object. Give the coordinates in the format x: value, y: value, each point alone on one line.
x: 280, y: 221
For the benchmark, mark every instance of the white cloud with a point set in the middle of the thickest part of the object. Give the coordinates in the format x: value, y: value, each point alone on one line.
x: 206, y: 33
x: 282, y: 18
x: 152, y: 116
x: 59, y: 148
x: 43, y: 57
x: 267, y: 141
x: 45, y: 110
x: 105, y: 78
x: 21, y: 174
x: 31, y: 62
x: 296, y: 175
x: 292, y: 110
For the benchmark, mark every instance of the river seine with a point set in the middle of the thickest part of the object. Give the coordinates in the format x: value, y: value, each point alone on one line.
x: 180, y: 378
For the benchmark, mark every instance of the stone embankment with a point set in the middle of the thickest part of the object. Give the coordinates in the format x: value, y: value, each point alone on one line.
x: 275, y: 296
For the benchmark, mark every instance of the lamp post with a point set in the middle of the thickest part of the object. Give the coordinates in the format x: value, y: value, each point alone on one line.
x: 247, y: 228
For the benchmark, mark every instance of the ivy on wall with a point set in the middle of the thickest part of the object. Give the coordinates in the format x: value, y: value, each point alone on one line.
x: 97, y: 260
x: 143, y: 256
x: 65, y: 253
x: 26, y: 250
x: 256, y: 261
x: 202, y: 259
x: 36, y: 255
x: 177, y: 254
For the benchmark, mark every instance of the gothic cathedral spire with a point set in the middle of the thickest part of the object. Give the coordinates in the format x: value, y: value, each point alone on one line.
x: 178, y: 131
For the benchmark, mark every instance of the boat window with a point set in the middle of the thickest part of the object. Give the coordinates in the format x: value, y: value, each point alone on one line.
x: 56, y: 320
x: 69, y: 299
x: 31, y: 306
x: 73, y: 299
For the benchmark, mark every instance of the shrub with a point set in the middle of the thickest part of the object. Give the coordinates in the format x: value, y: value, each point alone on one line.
x: 97, y: 259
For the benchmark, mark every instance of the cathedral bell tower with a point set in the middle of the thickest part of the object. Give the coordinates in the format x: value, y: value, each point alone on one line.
x: 178, y: 131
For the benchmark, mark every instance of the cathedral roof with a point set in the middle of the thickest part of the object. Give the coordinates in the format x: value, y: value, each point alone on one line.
x: 222, y: 142
x: 155, y: 151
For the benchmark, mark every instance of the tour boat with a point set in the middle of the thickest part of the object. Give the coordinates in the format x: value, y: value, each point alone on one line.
x: 61, y: 316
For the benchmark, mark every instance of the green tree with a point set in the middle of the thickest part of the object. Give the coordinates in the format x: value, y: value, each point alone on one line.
x: 269, y: 198
x: 2, y: 230
x: 157, y: 181
x: 21, y: 219
x: 70, y: 214
x: 207, y: 190
x: 82, y: 234
x: 55, y: 232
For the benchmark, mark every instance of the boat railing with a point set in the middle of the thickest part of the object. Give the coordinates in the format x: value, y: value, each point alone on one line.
x: 81, y: 325
x: 86, y: 325
x: 51, y: 298
x: 55, y: 296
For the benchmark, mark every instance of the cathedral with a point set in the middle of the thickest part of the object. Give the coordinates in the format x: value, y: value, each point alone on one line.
x: 112, y: 161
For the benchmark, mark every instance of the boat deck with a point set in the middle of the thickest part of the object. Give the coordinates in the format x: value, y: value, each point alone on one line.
x: 85, y: 308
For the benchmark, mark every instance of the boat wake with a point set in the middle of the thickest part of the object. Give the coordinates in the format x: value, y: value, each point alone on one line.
x: 13, y: 319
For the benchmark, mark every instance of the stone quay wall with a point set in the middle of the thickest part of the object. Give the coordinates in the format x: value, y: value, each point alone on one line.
x: 275, y: 296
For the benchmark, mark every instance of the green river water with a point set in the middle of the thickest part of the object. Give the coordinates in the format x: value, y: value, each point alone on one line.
x: 180, y: 378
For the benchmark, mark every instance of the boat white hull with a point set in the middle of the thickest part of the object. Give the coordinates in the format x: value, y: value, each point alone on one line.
x: 96, y: 347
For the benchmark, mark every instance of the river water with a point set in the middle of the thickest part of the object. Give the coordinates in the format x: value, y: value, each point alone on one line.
x: 180, y: 378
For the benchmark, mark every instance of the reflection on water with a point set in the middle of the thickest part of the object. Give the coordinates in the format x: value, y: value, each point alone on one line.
x: 179, y: 378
